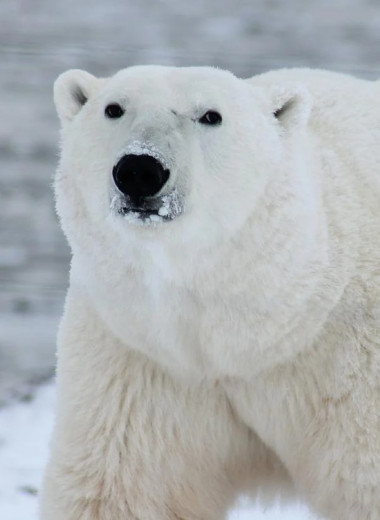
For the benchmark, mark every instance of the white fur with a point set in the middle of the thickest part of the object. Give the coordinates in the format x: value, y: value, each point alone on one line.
x: 195, y: 355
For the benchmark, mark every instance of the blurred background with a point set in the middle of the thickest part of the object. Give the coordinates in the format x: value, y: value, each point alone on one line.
x: 40, y: 39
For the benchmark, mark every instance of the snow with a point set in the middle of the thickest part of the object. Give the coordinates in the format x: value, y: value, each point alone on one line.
x: 143, y: 148
x: 25, y: 429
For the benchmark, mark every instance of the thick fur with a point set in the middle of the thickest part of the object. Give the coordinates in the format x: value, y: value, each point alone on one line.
x: 235, y: 348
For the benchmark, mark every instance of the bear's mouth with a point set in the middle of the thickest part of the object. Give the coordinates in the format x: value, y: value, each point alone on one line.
x: 140, y: 211
x: 163, y: 208
x: 143, y: 214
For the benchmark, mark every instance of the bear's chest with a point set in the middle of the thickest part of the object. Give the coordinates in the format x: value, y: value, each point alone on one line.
x: 182, y: 329
x: 148, y: 315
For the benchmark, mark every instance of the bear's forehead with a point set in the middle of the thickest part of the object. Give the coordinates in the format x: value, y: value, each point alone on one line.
x: 152, y: 81
x: 173, y: 74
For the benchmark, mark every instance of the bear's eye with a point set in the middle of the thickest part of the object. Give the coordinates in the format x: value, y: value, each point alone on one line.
x: 211, y: 118
x: 113, y: 111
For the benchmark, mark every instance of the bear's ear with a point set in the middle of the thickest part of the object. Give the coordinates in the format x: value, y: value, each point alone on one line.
x: 72, y: 89
x: 290, y: 104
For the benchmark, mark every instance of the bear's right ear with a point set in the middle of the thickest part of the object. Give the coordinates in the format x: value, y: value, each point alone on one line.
x: 290, y: 104
x: 72, y: 89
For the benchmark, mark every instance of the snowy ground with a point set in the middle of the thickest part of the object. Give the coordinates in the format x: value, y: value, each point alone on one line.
x: 25, y: 428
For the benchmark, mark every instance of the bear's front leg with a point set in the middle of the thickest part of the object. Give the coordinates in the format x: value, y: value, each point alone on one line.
x: 130, y: 442
x: 337, y: 466
x: 320, y: 414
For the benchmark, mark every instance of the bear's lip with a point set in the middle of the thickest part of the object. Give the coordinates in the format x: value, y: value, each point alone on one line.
x: 139, y: 210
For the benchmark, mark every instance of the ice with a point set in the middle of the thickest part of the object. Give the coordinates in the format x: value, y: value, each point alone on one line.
x: 172, y: 204
x: 164, y: 211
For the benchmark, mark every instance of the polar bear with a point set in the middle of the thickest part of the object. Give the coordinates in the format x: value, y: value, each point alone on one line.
x: 221, y: 329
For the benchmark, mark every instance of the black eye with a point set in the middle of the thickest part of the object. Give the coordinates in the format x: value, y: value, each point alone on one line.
x: 114, y: 111
x: 211, y: 118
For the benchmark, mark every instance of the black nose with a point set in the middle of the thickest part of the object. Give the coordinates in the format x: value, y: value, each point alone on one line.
x: 139, y: 176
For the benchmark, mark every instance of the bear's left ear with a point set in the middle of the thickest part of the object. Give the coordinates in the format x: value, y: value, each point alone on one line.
x: 290, y: 104
x: 72, y: 89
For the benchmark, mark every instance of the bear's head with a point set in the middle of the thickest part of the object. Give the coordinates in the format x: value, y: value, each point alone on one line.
x: 178, y: 154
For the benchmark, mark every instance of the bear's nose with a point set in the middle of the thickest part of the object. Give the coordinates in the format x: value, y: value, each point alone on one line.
x: 139, y: 176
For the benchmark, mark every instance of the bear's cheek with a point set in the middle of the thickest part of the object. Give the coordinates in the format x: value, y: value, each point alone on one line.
x: 86, y: 179
x: 226, y: 186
